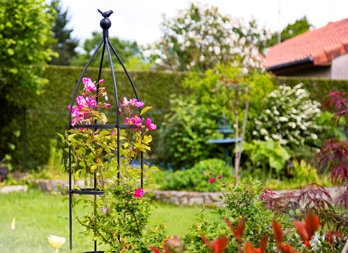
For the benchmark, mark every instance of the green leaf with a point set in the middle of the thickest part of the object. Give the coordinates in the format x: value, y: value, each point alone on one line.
x: 10, y: 51
x: 145, y: 110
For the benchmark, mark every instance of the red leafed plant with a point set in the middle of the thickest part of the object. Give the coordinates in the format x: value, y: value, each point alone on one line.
x: 278, y: 236
x: 334, y: 153
x: 218, y: 245
x: 307, y: 228
x: 238, y: 230
x: 339, y: 103
x: 249, y: 248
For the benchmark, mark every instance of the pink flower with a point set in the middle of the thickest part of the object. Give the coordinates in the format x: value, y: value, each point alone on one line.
x: 104, y: 210
x: 81, y: 102
x: 89, y: 85
x: 127, y: 121
x: 139, y: 104
x: 136, y: 103
x: 211, y: 180
x: 138, y: 193
x: 107, y: 105
x: 149, y: 124
x: 106, y: 98
x: 136, y: 120
x: 219, y: 177
x: 101, y: 81
x: 125, y: 102
x: 210, y: 173
x: 113, y: 132
x: 91, y: 102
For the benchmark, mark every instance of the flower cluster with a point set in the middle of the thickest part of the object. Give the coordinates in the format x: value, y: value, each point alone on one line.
x: 133, y: 119
x: 201, y: 37
x: 288, y: 117
x: 87, y: 103
x: 138, y: 193
x: 212, y: 179
x: 132, y: 101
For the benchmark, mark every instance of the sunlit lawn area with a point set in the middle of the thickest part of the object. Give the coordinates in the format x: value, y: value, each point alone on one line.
x: 39, y: 215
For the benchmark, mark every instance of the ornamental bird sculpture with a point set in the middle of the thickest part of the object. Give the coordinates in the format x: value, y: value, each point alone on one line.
x: 106, y: 14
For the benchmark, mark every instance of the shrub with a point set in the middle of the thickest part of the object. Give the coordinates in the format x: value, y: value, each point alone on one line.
x: 240, y: 201
x: 267, y: 155
x: 185, y: 133
x: 288, y: 117
x: 199, y: 178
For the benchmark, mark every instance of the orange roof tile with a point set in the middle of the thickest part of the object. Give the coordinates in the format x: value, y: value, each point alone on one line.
x: 320, y: 46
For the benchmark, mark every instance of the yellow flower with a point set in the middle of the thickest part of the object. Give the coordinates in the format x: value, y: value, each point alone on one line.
x: 56, y: 241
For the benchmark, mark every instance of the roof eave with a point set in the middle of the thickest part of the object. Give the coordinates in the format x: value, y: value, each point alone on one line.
x: 290, y: 64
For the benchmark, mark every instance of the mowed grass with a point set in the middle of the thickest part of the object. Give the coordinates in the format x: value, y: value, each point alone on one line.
x: 39, y: 215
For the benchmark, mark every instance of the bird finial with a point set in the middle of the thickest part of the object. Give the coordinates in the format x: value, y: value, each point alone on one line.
x: 106, y: 14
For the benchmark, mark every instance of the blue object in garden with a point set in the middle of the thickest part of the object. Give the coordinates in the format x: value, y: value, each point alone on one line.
x: 224, y: 127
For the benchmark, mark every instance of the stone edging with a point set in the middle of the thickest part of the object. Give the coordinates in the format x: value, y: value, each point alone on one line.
x: 13, y: 188
x: 174, y: 197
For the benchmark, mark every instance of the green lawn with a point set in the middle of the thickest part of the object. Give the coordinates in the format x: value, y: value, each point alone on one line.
x: 39, y: 215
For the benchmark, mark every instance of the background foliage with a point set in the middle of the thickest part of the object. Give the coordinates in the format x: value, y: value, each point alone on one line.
x: 47, y: 114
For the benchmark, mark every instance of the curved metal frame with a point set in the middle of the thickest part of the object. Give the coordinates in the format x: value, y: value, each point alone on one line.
x: 105, y: 23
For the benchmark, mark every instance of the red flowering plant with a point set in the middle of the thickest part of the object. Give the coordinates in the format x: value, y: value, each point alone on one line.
x: 118, y: 218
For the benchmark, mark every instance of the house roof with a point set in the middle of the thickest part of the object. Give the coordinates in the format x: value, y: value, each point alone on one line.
x: 319, y: 47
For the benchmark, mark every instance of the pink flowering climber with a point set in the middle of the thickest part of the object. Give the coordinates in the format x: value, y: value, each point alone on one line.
x: 89, y: 85
x: 149, y: 124
x: 125, y: 102
x: 138, y: 193
x: 91, y: 102
x: 81, y: 102
x: 136, y: 120
x: 211, y: 180
x: 135, y: 102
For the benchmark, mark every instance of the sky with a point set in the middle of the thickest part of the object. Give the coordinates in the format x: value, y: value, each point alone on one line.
x: 139, y: 20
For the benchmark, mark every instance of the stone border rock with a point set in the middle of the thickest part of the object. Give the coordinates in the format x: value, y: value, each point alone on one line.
x: 13, y: 188
x: 179, y: 198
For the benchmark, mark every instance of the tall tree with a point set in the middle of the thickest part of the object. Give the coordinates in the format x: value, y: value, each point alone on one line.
x: 199, y: 38
x: 64, y: 45
x: 127, y: 50
x: 25, y: 34
x: 300, y: 26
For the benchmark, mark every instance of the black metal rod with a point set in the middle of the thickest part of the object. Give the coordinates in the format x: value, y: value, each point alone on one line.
x: 79, y: 81
x: 117, y: 108
x: 70, y: 201
x: 107, y: 126
x: 137, y: 97
x: 125, y: 70
x: 91, y: 192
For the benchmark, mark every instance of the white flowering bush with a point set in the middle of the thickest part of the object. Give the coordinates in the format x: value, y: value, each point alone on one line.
x: 288, y: 117
x: 199, y: 38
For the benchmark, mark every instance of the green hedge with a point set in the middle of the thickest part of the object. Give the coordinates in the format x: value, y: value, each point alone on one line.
x: 49, y: 115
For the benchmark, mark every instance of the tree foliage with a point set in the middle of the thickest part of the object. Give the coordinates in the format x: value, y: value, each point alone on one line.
x: 199, y: 38
x: 25, y: 32
x: 300, y: 26
x: 127, y: 50
x: 64, y: 45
